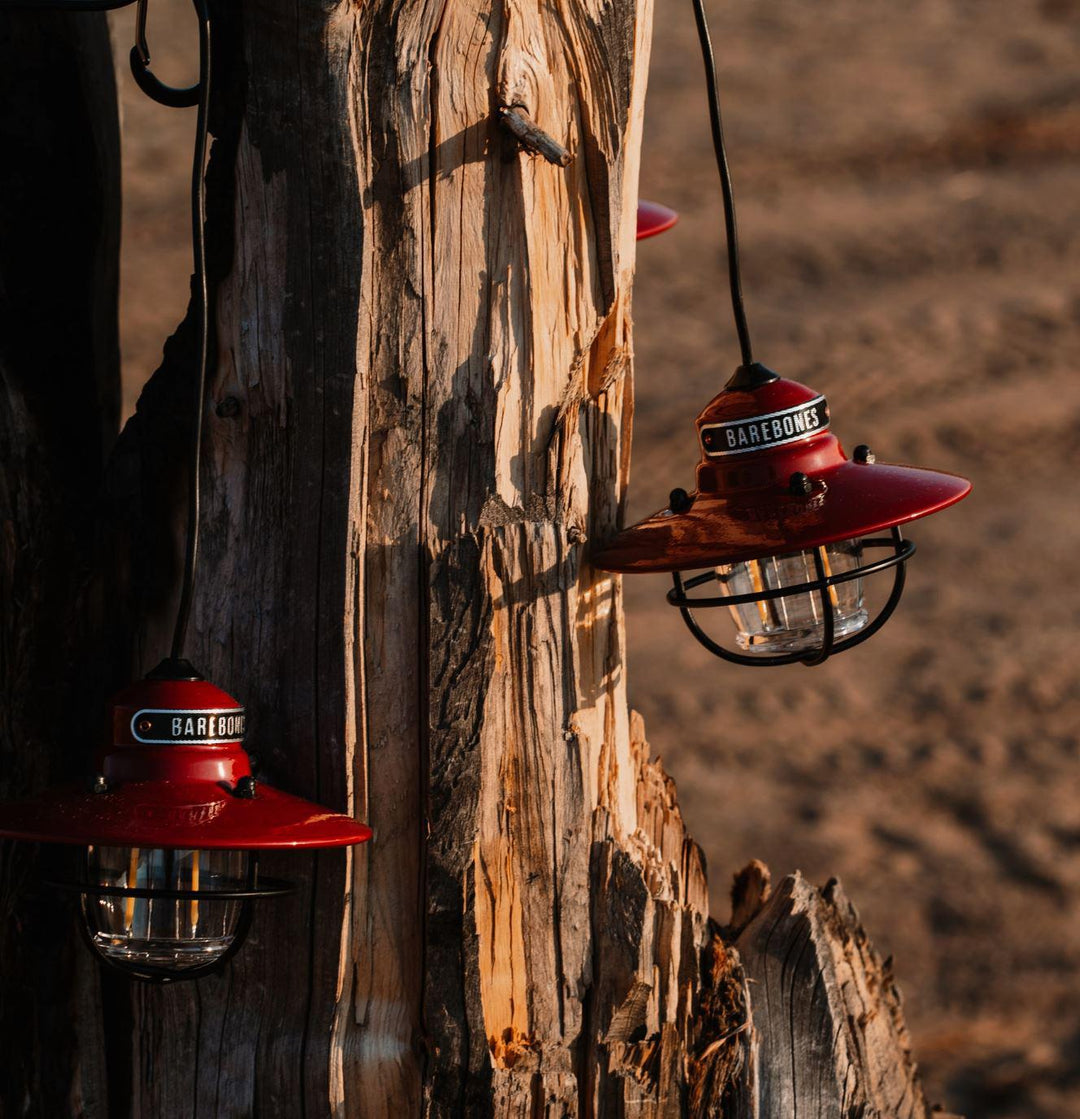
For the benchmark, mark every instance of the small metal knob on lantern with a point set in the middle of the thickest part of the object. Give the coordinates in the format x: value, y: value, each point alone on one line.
x: 171, y: 828
x: 781, y: 520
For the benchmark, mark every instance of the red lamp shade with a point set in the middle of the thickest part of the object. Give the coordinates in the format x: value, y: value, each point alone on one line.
x: 176, y: 775
x: 170, y: 827
x: 652, y: 218
x: 781, y: 516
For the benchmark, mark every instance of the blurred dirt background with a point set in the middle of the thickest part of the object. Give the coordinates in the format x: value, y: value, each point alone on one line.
x: 909, y: 186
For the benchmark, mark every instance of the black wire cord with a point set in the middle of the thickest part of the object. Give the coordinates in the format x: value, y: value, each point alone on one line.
x: 202, y: 307
x: 198, y: 238
x: 734, y: 275
x: 198, y: 95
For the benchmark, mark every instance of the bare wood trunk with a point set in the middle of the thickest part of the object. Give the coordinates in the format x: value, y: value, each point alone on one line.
x: 419, y: 420
x: 59, y: 410
x: 828, y: 1031
x: 427, y: 334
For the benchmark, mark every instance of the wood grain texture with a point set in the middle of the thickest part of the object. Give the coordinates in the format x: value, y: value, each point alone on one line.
x: 59, y: 404
x: 827, y: 1016
x: 423, y: 337
x: 546, y: 992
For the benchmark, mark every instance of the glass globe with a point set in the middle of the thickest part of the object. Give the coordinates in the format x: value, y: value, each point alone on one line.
x: 159, y: 935
x: 794, y: 623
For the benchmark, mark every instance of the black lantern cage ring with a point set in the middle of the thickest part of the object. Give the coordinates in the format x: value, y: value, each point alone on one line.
x: 902, y: 551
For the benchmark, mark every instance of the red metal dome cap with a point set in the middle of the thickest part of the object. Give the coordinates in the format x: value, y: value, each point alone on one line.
x: 176, y: 775
x: 773, y: 479
x: 652, y: 218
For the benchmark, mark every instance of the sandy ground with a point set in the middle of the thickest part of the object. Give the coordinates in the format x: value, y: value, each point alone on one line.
x: 910, y: 212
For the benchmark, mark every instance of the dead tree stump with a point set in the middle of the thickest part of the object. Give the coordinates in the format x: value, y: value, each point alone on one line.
x: 418, y: 424
x: 828, y: 1030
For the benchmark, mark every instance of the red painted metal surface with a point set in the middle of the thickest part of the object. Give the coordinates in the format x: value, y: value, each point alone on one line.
x: 174, y: 773
x: 199, y: 815
x: 652, y: 218
x: 744, y: 508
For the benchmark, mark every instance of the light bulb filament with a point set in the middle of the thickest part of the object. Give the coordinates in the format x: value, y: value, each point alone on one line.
x: 132, y: 882
x: 194, y: 886
x: 828, y: 575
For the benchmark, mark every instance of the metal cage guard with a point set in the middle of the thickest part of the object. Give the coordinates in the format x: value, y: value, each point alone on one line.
x: 903, y: 550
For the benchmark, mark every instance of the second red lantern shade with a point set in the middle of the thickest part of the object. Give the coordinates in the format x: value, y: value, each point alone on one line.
x: 781, y: 517
x: 171, y: 827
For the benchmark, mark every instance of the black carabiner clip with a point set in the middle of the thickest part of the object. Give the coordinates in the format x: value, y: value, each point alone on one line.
x: 153, y: 87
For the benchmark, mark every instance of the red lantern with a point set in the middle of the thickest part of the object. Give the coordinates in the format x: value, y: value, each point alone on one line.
x: 172, y: 822
x: 781, y: 519
x: 652, y: 218
x: 171, y: 828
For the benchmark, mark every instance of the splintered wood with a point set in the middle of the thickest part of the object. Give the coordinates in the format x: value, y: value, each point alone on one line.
x: 826, y: 1011
x: 566, y: 905
x: 425, y: 336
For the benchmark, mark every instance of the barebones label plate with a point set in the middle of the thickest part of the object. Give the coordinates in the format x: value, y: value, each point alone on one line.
x: 758, y: 433
x: 206, y: 727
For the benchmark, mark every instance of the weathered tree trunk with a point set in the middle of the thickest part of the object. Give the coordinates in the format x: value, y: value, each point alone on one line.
x: 828, y: 1036
x: 59, y: 409
x: 419, y: 421
x: 427, y: 334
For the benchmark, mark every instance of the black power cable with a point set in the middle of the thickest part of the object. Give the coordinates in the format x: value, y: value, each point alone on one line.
x: 197, y: 95
x: 198, y: 242
x: 734, y: 275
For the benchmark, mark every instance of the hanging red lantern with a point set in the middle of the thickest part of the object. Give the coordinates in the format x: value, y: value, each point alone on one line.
x: 171, y: 828
x: 785, y: 524
x: 652, y: 218
x: 171, y: 825
x: 780, y: 518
